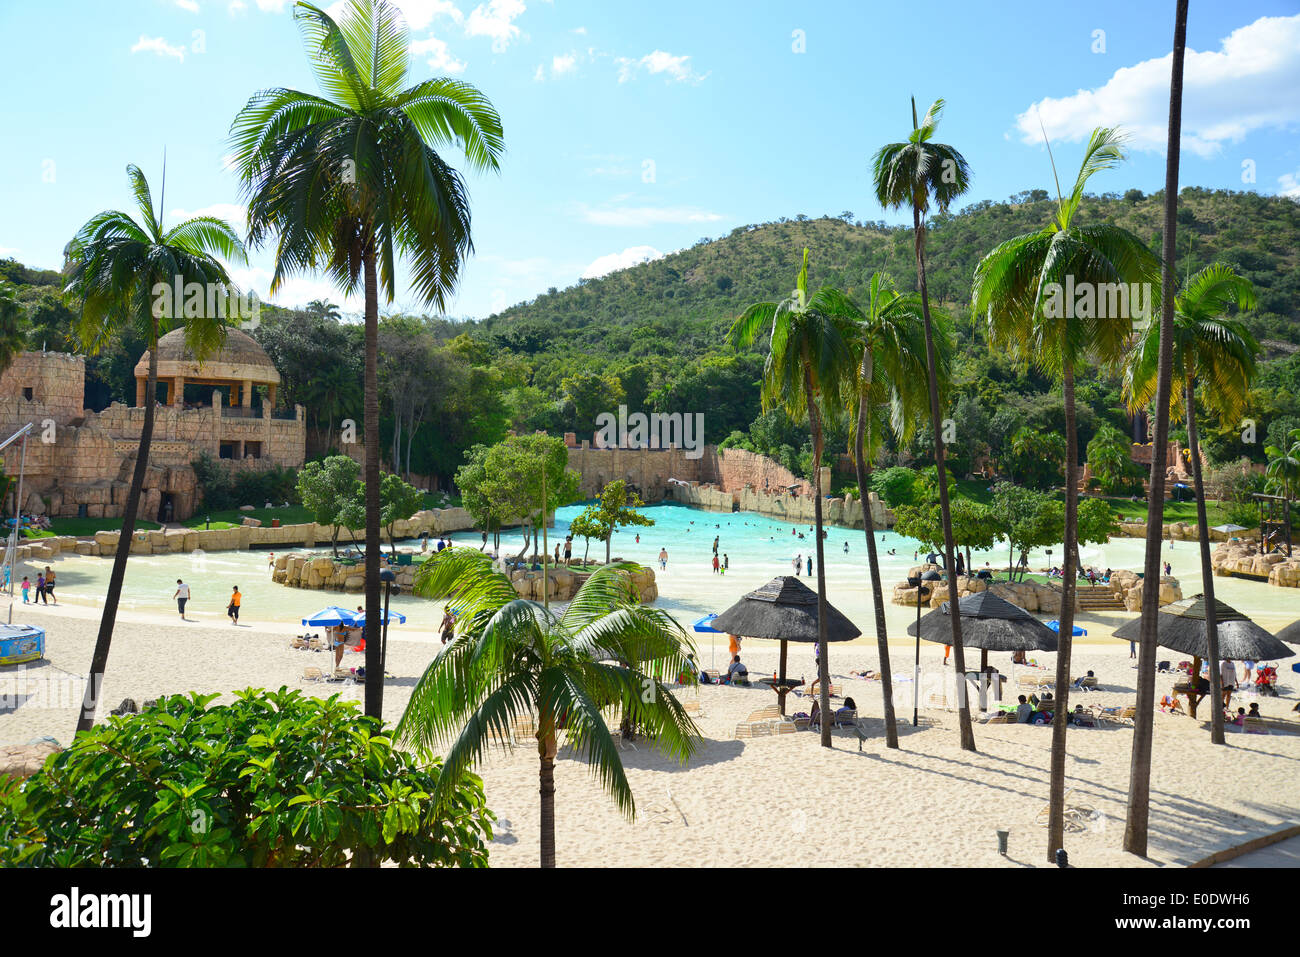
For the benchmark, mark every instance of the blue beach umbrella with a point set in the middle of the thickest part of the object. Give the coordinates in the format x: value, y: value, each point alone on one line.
x: 331, y: 616
x: 396, y: 616
x: 1075, y: 630
x: 703, y: 625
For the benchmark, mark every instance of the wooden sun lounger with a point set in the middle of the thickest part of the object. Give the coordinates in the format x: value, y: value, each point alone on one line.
x: 1122, y: 716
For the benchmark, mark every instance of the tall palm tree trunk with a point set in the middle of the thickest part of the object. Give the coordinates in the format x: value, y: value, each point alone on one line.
x: 1065, y: 641
x: 873, y: 566
x: 546, y: 752
x: 103, y: 641
x: 374, y: 661
x: 1207, y: 572
x: 1137, y: 822
x: 949, y: 548
x: 823, y: 668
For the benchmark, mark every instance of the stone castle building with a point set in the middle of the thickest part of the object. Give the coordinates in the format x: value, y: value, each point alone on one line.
x: 79, y: 463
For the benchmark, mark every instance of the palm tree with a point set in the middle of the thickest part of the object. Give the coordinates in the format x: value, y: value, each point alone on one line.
x: 351, y: 180
x: 807, y: 368
x: 323, y: 309
x: 1018, y: 289
x: 11, y: 336
x: 514, y: 659
x: 888, y: 385
x: 1283, y: 468
x: 1220, y: 351
x: 114, y: 265
x: 913, y: 174
x: 1136, y: 824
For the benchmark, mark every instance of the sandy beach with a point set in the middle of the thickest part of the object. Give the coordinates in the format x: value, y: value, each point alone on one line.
x: 777, y: 800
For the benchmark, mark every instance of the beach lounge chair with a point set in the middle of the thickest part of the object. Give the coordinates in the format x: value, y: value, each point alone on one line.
x: 312, y: 674
x: 765, y: 714
x: 1118, y: 715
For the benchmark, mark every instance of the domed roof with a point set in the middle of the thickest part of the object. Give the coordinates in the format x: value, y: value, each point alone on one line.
x: 240, y: 358
x: 240, y: 349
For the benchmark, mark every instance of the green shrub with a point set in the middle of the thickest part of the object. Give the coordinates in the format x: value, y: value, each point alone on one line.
x: 273, y: 780
x: 223, y: 491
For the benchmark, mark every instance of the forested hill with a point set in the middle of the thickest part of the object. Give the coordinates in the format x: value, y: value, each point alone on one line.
x: 690, y: 296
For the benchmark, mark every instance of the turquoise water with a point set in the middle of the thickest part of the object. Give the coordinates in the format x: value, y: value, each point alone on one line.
x: 753, y: 543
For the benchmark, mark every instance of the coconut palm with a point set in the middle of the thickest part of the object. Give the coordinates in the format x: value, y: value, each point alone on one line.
x: 1136, y: 824
x: 351, y: 180
x: 806, y: 371
x: 114, y: 264
x: 889, y: 393
x: 1283, y: 469
x: 514, y: 659
x: 914, y: 174
x: 1219, y: 351
x: 1019, y: 290
x: 323, y: 309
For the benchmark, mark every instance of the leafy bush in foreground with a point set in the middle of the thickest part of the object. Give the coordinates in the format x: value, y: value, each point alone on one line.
x: 273, y: 780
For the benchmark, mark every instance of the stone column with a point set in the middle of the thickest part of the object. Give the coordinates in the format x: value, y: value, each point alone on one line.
x: 270, y: 395
x: 178, y: 391
x: 139, y: 392
x: 246, y: 394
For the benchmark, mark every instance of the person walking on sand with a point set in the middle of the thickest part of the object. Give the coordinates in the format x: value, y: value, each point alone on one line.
x: 232, y: 610
x: 798, y: 565
x: 726, y: 562
x: 182, y: 596
x: 40, y: 589
x: 716, y: 563
x: 568, y: 550
x: 810, y: 566
x: 663, y: 558
x: 49, y: 583
x: 26, y: 586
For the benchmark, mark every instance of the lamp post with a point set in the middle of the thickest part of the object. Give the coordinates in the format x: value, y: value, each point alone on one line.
x: 389, y: 578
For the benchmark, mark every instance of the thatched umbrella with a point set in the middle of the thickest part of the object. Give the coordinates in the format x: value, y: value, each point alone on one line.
x: 1291, y: 633
x: 988, y: 623
x: 785, y: 609
x: 1181, y: 627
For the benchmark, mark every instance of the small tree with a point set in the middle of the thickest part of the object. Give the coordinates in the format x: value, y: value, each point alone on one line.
x: 618, y: 507
x: 503, y: 483
x: 588, y: 526
x: 398, y: 501
x: 328, y: 489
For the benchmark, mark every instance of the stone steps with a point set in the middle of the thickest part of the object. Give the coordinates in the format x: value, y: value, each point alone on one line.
x: 1090, y: 599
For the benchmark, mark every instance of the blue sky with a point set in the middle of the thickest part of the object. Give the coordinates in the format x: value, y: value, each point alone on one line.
x: 634, y: 129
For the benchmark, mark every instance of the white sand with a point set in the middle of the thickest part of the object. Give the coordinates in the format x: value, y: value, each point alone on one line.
x: 767, y: 801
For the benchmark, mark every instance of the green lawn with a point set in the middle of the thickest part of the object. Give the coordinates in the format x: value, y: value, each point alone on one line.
x: 87, y: 527
x: 230, y: 518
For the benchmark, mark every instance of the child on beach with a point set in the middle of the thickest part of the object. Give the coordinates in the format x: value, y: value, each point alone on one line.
x: 26, y: 586
x: 40, y: 588
x: 232, y: 610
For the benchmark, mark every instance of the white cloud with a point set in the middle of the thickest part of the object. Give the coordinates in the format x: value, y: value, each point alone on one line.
x: 439, y: 56
x: 632, y: 256
x: 566, y: 63
x: 159, y: 46
x: 495, y: 19
x: 540, y: 75
x: 189, y: 5
x: 236, y: 6
x: 676, y: 69
x: 1251, y: 83
x: 9, y: 251
x: 580, y: 31
x: 646, y: 215
x: 420, y: 13
x: 1290, y: 185
x: 233, y: 213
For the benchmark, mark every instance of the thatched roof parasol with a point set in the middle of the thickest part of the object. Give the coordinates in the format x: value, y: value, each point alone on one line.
x: 1291, y: 633
x: 990, y: 623
x: 784, y: 609
x: 1181, y: 626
